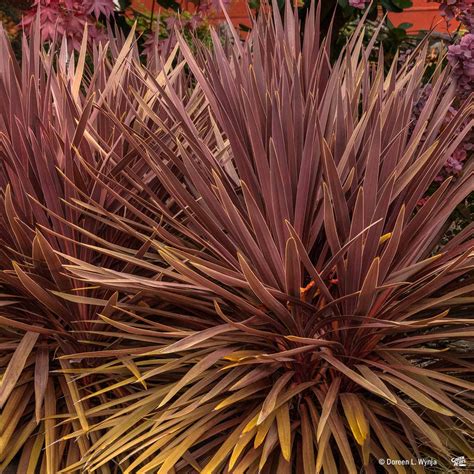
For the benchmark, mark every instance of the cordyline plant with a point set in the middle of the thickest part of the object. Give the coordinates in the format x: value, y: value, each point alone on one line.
x: 232, y: 274
x: 48, y: 106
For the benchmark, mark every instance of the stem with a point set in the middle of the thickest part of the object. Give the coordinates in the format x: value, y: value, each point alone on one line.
x: 152, y: 15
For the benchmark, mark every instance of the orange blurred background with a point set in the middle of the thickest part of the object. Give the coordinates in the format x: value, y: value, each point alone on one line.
x: 423, y: 15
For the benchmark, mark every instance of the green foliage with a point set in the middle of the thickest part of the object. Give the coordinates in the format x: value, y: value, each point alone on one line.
x: 391, y: 38
x: 396, y: 5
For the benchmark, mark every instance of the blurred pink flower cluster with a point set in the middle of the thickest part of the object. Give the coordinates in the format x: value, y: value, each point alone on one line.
x: 360, y: 4
x: 453, y: 166
x: 455, y: 163
x: 461, y: 58
x: 461, y: 10
x: 68, y: 18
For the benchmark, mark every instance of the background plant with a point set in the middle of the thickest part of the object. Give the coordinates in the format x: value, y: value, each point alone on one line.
x: 64, y: 16
x: 460, y: 57
x: 50, y: 123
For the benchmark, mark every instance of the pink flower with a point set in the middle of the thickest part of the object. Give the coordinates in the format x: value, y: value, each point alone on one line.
x: 461, y: 58
x: 360, y: 4
x: 454, y: 164
x: 424, y: 96
x: 422, y: 201
x: 461, y: 10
